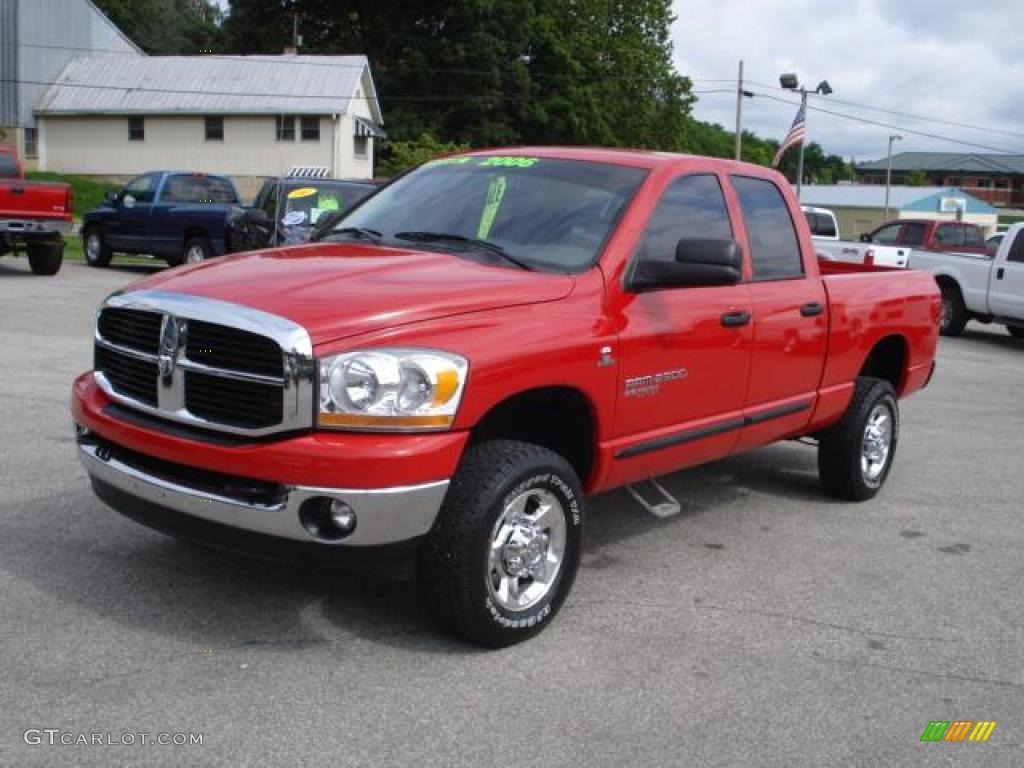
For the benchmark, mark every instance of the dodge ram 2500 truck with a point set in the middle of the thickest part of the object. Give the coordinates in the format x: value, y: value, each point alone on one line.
x: 985, y: 288
x: 479, y: 345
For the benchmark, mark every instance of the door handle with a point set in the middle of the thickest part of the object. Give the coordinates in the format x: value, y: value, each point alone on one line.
x: 812, y: 310
x: 999, y: 273
x: 17, y: 190
x: 735, y: 319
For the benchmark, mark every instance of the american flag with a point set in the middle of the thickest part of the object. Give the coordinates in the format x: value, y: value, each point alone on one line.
x: 795, y: 136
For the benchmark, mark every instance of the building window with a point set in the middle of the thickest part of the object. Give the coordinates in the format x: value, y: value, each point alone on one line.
x: 310, y: 128
x: 136, y: 129
x: 214, y: 127
x: 361, y: 146
x: 285, y: 128
x: 984, y: 183
x: 31, y: 143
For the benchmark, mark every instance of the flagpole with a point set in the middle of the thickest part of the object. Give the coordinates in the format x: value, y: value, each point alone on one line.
x: 800, y: 164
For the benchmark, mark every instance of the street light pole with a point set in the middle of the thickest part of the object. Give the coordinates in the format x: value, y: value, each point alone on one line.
x: 888, y: 171
x: 791, y: 82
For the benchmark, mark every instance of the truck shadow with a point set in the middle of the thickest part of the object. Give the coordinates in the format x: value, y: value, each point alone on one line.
x: 996, y: 336
x: 123, y: 573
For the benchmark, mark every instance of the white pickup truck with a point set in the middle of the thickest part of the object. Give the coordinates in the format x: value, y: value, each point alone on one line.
x: 870, y: 250
x: 979, y: 287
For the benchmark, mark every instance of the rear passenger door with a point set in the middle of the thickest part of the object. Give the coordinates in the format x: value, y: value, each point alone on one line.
x: 789, y: 310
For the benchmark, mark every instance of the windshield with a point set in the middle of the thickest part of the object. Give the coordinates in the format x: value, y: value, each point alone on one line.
x: 548, y: 214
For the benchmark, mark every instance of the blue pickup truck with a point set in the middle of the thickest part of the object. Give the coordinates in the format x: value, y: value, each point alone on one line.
x: 178, y: 216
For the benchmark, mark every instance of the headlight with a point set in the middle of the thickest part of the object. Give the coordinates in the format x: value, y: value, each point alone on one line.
x: 399, y: 389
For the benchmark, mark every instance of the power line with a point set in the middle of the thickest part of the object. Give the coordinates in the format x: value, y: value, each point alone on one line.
x: 911, y: 115
x: 868, y: 121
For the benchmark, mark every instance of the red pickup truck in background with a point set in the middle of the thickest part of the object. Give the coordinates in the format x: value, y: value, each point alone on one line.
x: 33, y: 214
x: 480, y: 344
x: 930, y: 235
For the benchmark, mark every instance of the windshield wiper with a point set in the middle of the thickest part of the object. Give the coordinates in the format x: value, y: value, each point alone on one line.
x: 472, y: 242
x: 361, y: 232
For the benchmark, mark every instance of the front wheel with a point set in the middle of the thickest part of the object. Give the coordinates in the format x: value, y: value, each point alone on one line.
x: 503, y: 553
x: 855, y: 455
x: 97, y: 252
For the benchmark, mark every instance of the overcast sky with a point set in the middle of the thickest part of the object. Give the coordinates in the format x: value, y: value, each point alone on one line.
x: 957, y: 60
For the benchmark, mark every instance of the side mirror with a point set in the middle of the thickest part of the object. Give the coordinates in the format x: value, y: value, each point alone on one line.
x: 128, y: 201
x: 699, y: 262
x: 865, y: 238
x: 326, y: 223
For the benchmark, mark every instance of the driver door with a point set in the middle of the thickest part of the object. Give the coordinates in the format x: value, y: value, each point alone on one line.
x: 128, y: 228
x: 685, y: 352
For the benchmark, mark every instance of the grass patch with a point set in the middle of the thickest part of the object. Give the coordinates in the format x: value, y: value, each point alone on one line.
x: 88, y: 192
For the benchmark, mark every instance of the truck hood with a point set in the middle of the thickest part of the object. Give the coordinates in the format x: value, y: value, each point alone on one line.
x: 336, y: 290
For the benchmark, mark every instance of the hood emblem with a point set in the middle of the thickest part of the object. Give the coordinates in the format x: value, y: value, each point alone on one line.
x: 169, y: 338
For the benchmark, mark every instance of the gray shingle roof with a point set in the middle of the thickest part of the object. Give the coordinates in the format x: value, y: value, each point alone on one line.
x: 949, y: 161
x: 207, y: 85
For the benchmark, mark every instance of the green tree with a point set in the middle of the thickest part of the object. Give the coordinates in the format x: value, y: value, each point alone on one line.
x: 915, y: 178
x: 398, y: 156
x: 168, y: 27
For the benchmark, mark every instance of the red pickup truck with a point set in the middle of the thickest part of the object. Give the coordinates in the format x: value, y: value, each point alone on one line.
x: 477, y: 347
x: 35, y: 214
x: 930, y: 235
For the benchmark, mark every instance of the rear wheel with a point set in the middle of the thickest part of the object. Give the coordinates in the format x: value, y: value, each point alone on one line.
x: 1017, y: 331
x: 97, y: 252
x: 503, y: 553
x: 196, y: 251
x: 46, y: 257
x: 855, y: 455
x: 954, y: 313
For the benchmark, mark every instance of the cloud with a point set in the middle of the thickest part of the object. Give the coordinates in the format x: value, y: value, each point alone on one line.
x: 958, y: 61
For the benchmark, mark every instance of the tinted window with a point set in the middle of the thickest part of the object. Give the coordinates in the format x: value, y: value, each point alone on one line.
x: 1016, y: 249
x: 141, y: 188
x: 774, y: 248
x: 692, y: 206
x: 551, y: 214
x: 949, y: 234
x: 888, y: 235
x: 197, y: 189
x: 973, y: 237
x: 913, y: 234
x: 8, y: 166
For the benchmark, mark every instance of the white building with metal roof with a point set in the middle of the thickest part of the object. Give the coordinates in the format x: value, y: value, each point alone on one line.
x: 245, y: 116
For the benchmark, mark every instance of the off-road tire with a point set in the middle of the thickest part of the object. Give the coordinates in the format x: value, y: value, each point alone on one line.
x: 452, y: 566
x: 954, y: 312
x: 840, y: 446
x: 100, y: 258
x: 46, y: 257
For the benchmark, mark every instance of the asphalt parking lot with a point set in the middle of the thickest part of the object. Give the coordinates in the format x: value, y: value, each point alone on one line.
x: 764, y: 625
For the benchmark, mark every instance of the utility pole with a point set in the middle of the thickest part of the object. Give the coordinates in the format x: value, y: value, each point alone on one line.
x: 295, y: 32
x: 888, y: 171
x: 739, y: 112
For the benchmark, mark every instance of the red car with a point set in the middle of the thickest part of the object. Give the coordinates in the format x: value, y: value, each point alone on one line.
x: 929, y: 235
x: 34, y: 215
x: 478, y: 347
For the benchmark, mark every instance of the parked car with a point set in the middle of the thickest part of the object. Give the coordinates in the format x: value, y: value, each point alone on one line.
x: 287, y: 210
x: 176, y: 215
x: 481, y: 343
x: 822, y: 223
x: 980, y: 287
x: 34, y: 216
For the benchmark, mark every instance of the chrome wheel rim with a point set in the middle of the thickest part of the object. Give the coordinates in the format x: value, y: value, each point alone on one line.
x: 194, y: 254
x: 92, y: 247
x: 876, y: 444
x: 527, y: 547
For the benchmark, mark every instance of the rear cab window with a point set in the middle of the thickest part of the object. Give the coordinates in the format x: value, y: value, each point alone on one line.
x: 188, y: 188
x: 774, y: 247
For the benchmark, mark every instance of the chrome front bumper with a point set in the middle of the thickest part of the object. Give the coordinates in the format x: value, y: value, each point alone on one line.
x: 385, y: 515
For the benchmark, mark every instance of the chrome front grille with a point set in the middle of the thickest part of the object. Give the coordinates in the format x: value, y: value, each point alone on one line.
x: 204, y: 362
